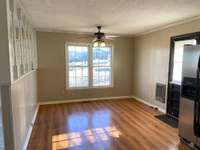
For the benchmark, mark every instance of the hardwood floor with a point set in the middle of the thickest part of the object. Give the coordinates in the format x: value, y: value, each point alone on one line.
x: 102, y: 125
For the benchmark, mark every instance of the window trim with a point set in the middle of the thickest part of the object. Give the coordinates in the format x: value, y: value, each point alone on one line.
x: 90, y: 67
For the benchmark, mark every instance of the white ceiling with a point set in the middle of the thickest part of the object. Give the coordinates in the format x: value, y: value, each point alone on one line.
x: 125, y: 17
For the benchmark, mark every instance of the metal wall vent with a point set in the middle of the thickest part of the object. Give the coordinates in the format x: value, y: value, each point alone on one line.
x: 160, y: 92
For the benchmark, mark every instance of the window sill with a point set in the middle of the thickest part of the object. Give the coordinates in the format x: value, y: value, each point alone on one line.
x: 90, y: 88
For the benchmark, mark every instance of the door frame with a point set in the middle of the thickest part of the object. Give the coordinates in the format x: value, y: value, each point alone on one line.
x: 173, y: 39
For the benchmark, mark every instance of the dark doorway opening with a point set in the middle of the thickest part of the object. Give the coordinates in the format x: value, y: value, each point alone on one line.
x: 175, y: 66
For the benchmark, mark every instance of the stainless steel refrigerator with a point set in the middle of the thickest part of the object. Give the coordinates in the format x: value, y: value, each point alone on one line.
x: 189, y: 115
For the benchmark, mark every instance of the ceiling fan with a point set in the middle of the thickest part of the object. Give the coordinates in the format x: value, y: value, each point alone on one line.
x: 100, y: 37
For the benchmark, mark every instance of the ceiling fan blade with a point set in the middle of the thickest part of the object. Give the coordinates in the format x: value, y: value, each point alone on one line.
x: 111, y: 39
x: 94, y: 39
x: 112, y: 36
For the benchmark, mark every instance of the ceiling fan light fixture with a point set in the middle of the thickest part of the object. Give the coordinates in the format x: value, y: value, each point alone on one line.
x: 103, y: 44
x: 99, y: 38
x: 99, y: 43
x: 96, y: 44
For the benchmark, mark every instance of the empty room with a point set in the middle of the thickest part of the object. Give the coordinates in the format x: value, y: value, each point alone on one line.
x: 100, y: 75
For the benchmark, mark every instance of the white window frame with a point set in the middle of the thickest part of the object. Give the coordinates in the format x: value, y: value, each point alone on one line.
x: 90, y: 67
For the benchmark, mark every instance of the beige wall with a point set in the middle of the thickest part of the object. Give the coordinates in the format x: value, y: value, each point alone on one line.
x: 24, y: 100
x: 51, y: 76
x: 4, y: 44
x: 151, y: 59
x: 5, y: 110
x: 19, y: 98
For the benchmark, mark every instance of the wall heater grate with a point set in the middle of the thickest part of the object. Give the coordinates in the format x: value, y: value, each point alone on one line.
x: 160, y: 92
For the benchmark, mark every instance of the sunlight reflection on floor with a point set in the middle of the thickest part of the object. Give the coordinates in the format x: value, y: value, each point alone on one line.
x: 68, y: 140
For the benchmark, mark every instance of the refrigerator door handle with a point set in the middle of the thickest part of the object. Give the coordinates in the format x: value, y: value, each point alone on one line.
x: 196, y: 104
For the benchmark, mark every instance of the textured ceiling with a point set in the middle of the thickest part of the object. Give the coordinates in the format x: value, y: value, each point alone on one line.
x: 125, y: 17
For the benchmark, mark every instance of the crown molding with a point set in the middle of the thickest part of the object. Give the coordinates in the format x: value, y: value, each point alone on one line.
x: 168, y: 25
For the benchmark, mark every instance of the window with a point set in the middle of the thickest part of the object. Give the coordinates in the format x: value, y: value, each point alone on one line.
x: 178, y: 58
x: 78, y: 66
x: 102, y: 66
x: 88, y: 67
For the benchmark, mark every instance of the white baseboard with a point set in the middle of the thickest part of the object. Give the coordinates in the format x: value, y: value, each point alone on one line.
x: 83, y: 100
x: 149, y: 104
x: 28, y: 136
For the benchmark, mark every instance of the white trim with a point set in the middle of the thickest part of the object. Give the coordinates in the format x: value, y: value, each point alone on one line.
x: 90, y: 67
x: 23, y: 76
x: 149, y: 104
x: 89, y: 88
x: 83, y: 100
x: 111, y: 65
x: 67, y: 44
x: 28, y: 136
x: 188, y: 20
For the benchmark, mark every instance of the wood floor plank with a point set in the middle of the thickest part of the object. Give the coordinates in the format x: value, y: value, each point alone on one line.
x: 102, y: 125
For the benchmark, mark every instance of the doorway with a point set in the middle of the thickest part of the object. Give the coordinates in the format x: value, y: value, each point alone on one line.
x: 175, y: 69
